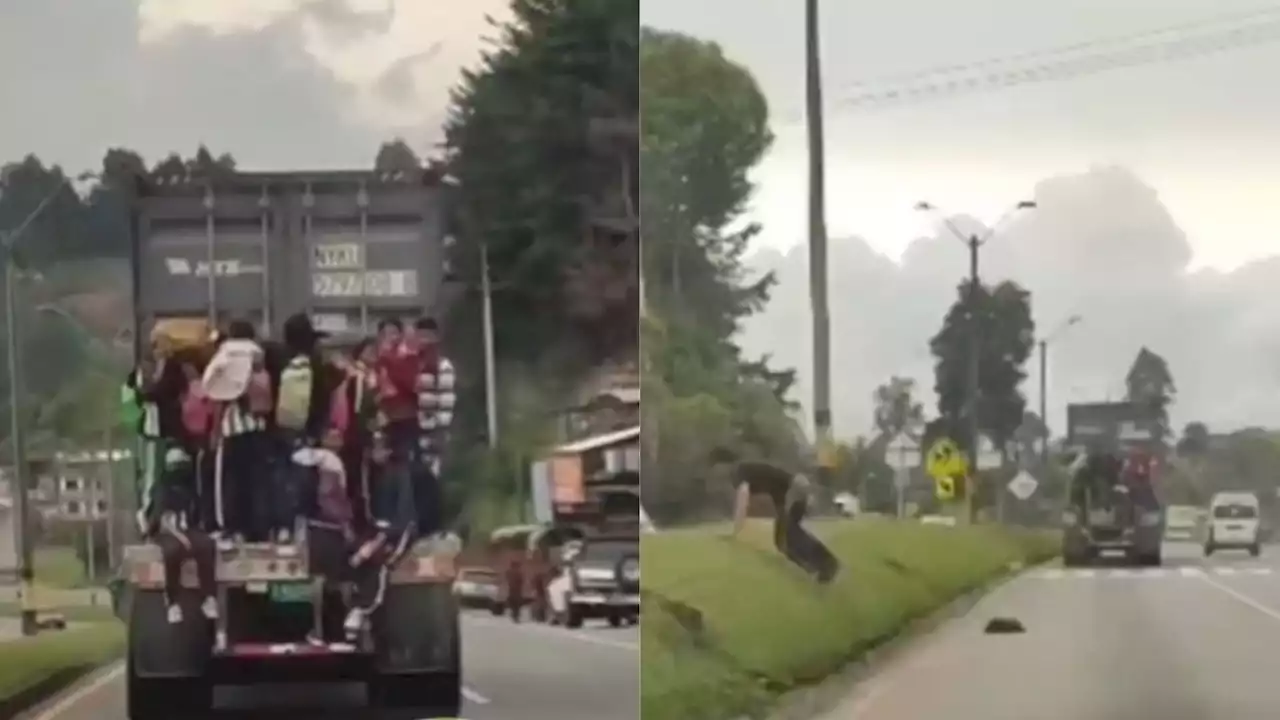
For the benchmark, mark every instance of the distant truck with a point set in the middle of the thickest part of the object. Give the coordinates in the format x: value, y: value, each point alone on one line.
x: 1112, y: 505
x: 350, y: 248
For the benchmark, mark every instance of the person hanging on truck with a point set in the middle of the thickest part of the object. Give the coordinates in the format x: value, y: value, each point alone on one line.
x: 332, y: 531
x: 156, y: 388
x: 360, y: 397
x: 398, y: 369
x: 238, y: 381
x: 435, y: 390
x: 172, y: 527
x: 387, y: 539
x: 301, y: 419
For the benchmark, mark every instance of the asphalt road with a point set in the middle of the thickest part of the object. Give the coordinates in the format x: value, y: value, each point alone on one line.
x: 511, y: 672
x: 1194, y: 640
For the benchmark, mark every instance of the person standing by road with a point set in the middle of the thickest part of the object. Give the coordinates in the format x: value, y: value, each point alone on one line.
x: 790, y: 493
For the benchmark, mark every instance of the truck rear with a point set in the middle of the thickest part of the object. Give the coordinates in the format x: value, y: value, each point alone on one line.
x: 1112, y: 505
x: 349, y: 248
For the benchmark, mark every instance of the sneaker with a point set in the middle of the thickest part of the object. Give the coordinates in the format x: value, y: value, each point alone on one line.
x: 220, y: 641
x: 354, y: 624
x: 210, y: 608
x: 175, y: 614
x: 314, y: 639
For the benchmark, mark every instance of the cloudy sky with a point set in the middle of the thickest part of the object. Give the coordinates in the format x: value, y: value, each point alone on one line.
x: 279, y: 83
x: 1172, y: 162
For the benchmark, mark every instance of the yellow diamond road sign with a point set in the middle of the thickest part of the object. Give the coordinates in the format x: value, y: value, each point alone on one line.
x: 945, y: 460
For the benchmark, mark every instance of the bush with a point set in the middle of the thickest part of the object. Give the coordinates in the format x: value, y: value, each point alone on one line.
x: 729, y: 626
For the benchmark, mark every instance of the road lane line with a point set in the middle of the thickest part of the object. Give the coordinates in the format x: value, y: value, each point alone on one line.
x: 1192, y: 572
x: 473, y: 697
x: 1241, y: 597
x: 75, y: 697
x: 558, y: 632
x: 1224, y: 571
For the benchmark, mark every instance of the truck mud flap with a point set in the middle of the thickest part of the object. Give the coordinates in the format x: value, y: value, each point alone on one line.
x: 416, y: 630
x: 158, y: 649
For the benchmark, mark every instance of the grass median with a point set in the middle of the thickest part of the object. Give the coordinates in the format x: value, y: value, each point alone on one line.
x: 26, y: 664
x: 730, y: 626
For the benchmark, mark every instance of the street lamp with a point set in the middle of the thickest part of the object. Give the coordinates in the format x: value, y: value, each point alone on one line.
x: 21, y: 528
x: 974, y: 243
x: 1044, y: 393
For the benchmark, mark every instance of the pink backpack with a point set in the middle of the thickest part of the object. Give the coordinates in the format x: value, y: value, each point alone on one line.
x: 258, y: 393
x: 340, y: 408
x: 197, y: 412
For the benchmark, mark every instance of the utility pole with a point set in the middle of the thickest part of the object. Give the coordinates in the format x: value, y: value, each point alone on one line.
x: 1044, y: 383
x: 490, y: 372
x: 818, y: 246
x: 974, y: 384
x: 17, y: 443
x: 1043, y: 347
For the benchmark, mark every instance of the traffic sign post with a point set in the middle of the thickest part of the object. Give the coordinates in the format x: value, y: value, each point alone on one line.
x: 903, y: 455
x: 1023, y: 485
x: 949, y: 468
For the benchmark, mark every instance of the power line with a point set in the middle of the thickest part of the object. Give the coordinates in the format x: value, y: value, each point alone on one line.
x: 1063, y: 63
x: 915, y: 76
x: 1065, y: 69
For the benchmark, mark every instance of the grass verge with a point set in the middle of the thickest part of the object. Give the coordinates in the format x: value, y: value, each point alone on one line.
x: 731, y: 626
x: 33, y: 669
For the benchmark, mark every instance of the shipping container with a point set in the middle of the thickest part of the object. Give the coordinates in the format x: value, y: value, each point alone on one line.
x: 349, y: 247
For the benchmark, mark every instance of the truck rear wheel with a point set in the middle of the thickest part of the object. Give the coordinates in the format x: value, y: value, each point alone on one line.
x: 166, y: 698
x: 416, y: 695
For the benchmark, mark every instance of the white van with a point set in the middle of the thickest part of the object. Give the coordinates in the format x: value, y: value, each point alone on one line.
x: 1234, y: 523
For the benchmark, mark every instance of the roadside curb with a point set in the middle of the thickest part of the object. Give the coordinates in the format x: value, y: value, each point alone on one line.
x: 36, y: 702
x: 825, y: 695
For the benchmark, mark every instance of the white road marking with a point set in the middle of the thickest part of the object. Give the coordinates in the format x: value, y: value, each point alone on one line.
x: 473, y: 697
x: 1241, y: 598
x: 105, y: 677
x: 1148, y: 573
x: 558, y: 632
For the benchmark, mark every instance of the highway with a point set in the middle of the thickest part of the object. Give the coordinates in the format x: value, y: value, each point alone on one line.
x: 1196, y: 639
x: 511, y: 672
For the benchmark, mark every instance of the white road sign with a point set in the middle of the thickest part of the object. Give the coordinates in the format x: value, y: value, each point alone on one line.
x: 988, y: 457
x: 1023, y: 485
x: 902, y: 453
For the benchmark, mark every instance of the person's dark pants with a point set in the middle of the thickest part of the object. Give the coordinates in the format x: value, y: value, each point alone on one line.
x: 515, y: 595
x: 175, y: 553
x: 428, y: 498
x: 292, y: 490
x: 242, y: 485
x: 800, y: 546
x: 392, y: 489
x: 358, y: 477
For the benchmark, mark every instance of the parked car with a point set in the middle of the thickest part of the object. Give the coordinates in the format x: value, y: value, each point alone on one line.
x: 601, y: 580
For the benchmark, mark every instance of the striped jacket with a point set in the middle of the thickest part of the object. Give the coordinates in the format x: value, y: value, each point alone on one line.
x: 436, y: 398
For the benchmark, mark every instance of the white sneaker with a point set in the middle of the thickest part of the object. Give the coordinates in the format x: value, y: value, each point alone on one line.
x: 175, y: 614
x: 210, y: 608
x: 220, y: 640
x: 354, y: 624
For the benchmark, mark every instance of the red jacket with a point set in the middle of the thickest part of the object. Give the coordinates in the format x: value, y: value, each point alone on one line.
x: 398, y: 370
